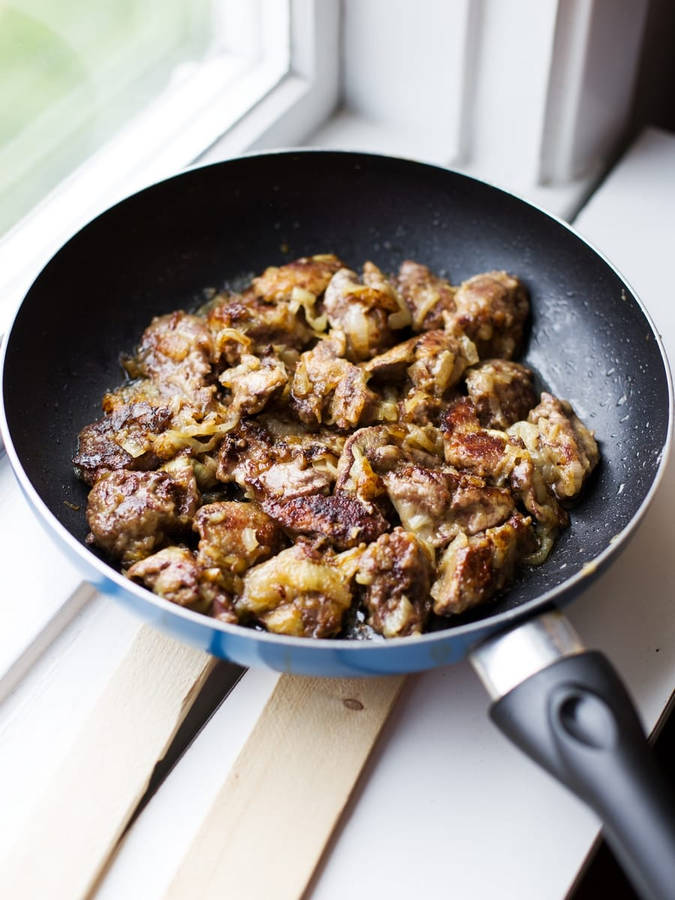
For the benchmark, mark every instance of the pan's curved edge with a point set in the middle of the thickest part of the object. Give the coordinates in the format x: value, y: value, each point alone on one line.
x: 330, y: 656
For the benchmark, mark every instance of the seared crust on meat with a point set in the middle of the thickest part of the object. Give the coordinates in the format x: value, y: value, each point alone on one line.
x: 365, y: 310
x: 264, y: 466
x: 492, y: 310
x: 121, y: 440
x: 395, y: 571
x: 177, y: 351
x: 474, y: 568
x: 131, y: 513
x: 175, y: 574
x: 435, y: 504
x: 254, y: 382
x: 562, y: 447
x: 375, y: 423
x: 269, y: 311
x: 504, y: 459
x: 328, y: 389
x: 427, y: 295
x: 344, y: 520
x: 299, y: 591
x: 440, y: 361
x: 235, y: 536
x: 246, y: 321
x: 309, y: 273
x: 502, y: 392
x: 486, y: 452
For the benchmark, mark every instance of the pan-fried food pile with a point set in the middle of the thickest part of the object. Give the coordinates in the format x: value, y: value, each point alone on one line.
x: 330, y: 452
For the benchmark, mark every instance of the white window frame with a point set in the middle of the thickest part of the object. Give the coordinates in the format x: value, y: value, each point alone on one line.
x: 531, y: 95
x: 231, y: 103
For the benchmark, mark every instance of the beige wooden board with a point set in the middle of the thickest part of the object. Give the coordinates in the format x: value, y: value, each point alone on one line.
x: 277, y: 808
x: 78, y: 822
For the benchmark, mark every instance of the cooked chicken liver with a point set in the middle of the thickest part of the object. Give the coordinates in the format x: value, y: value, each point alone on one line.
x: 324, y: 446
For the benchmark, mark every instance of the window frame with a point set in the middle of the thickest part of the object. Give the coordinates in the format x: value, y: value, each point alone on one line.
x: 533, y: 96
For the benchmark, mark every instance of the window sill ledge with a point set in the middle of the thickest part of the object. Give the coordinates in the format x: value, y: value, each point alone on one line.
x: 346, y: 130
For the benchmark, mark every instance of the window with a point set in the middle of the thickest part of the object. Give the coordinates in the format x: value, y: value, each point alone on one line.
x: 100, y: 98
x: 532, y: 95
x: 71, y: 73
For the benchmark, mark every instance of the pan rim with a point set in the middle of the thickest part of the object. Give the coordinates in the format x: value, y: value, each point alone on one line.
x: 497, y: 621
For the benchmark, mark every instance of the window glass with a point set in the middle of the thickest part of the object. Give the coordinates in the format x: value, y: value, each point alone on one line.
x: 72, y: 71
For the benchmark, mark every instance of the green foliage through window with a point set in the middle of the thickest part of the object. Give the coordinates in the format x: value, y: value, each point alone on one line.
x: 72, y: 72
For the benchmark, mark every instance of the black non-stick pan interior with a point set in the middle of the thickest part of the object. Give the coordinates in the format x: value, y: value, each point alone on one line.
x: 163, y: 248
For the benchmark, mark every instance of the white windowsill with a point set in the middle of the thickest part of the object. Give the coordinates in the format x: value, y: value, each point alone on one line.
x: 347, y: 130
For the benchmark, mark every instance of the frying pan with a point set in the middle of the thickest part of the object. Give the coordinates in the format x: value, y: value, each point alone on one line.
x: 591, y: 342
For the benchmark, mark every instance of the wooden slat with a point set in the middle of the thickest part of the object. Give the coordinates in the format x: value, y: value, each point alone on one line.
x: 74, y: 829
x: 270, y: 821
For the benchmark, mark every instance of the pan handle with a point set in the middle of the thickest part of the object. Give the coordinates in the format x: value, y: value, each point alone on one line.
x: 568, y: 710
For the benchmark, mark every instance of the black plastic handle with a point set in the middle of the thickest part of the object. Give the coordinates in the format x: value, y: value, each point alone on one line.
x: 575, y: 718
